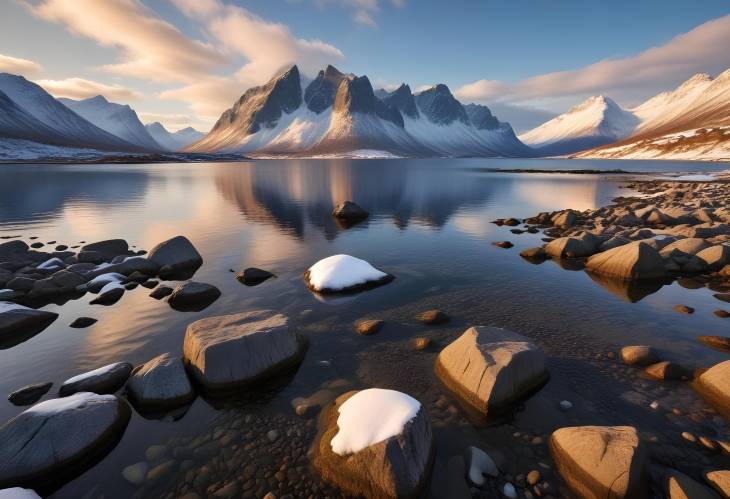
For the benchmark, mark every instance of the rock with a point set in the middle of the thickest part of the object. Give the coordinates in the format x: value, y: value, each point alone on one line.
x: 723, y: 314
x: 566, y: 405
x: 135, y: 473
x: 107, y: 379
x: 150, y: 283
x: 716, y: 257
x: 638, y: 355
x: 82, y: 322
x: 713, y: 385
x: 720, y: 481
x: 689, y: 246
x: 161, y: 471
x: 684, y: 309
x: 375, y: 443
x: 161, y: 292
x: 272, y: 435
x: 503, y: 244
x: 511, y: 222
x: 349, y: 211
x: 18, y: 493
x: 600, y: 461
x: 95, y: 257
x: 13, y: 248
x: 253, y: 276
x: 368, y: 327
x: 421, y: 343
x: 129, y: 265
x: 635, y: 260
x: 569, y: 247
x: 680, y: 486
x: 433, y: 317
x: 46, y: 442
x: 722, y: 297
x: 479, y: 464
x: 509, y: 491
x: 344, y: 274
x: 666, y: 371
x: 533, y: 477
x: 177, y: 255
x: 29, y: 394
x: 534, y: 253
x: 109, y: 294
x: 108, y: 249
x: 20, y: 284
x: 721, y: 343
x: 491, y: 368
x: 232, y: 350
x: 193, y: 296
x: 160, y: 383
x: 37, y: 245
x: 18, y: 323
x: 564, y: 219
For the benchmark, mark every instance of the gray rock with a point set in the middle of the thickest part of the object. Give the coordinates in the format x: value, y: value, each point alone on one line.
x: 107, y: 379
x: 82, y: 322
x: 160, y: 383
x: 253, y: 276
x: 94, y: 257
x: 193, y: 296
x: 108, y: 249
x: 177, y: 254
x: 29, y: 394
x: 109, y: 296
x: 18, y: 323
x: 59, y: 436
x: 13, y: 247
x: 129, y: 266
x: 20, y: 283
x: 160, y: 292
x: 232, y: 350
x: 491, y: 368
x: 136, y: 473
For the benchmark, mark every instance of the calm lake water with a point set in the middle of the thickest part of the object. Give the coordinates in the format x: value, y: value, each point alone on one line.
x: 429, y: 225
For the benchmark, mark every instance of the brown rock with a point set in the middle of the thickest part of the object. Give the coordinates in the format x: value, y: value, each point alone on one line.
x: 638, y: 355
x: 432, y: 317
x: 721, y: 343
x: 720, y: 481
x: 680, y: 486
x: 666, y: 371
x: 684, y: 309
x: 723, y: 314
x: 503, y: 244
x: 713, y: 385
x: 421, y: 343
x: 368, y: 327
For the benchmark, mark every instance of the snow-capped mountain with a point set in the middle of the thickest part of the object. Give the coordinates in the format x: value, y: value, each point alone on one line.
x: 16, y: 123
x: 340, y: 114
x: 75, y: 130
x: 594, y: 122
x: 173, y: 141
x: 117, y: 119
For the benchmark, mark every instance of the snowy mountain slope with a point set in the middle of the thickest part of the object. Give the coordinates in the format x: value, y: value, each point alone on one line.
x: 16, y: 123
x: 117, y: 119
x: 338, y: 113
x: 596, y: 121
x: 77, y: 131
x: 173, y: 141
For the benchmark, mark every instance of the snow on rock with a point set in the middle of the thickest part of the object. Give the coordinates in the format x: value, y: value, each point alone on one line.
x: 7, y: 306
x: 480, y: 463
x: 371, y: 416
x: 18, y: 493
x: 76, y: 401
x: 98, y: 283
x: 343, y: 273
x: 106, y: 379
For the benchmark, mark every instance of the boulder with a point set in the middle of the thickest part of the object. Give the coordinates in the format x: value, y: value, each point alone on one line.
x: 176, y: 255
x: 18, y: 493
x: 29, y: 394
x: 716, y: 257
x: 127, y: 266
x: 161, y: 292
x: 599, y: 462
x: 479, y: 463
x: 109, y: 294
x: 638, y: 355
x: 234, y: 350
x: 635, y: 260
x: 58, y: 437
x: 160, y: 383
x: 720, y: 481
x: 253, y: 276
x: 491, y: 368
x: 108, y: 249
x: 689, y: 246
x: 343, y: 274
x: 680, y: 486
x: 375, y: 443
x: 666, y: 371
x: 193, y: 296
x: 107, y: 379
x: 564, y: 219
x: 713, y: 385
x: 19, y: 323
x: 569, y: 247
x: 349, y: 211
x: 13, y: 248
x: 82, y: 322
x: 537, y: 253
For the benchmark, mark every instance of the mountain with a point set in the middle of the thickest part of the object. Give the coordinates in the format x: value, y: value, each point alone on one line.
x: 76, y: 131
x: 16, y: 123
x: 340, y: 114
x: 173, y: 141
x: 117, y: 119
x: 596, y: 121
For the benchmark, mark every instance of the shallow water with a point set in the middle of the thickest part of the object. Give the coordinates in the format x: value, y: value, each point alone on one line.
x: 429, y: 226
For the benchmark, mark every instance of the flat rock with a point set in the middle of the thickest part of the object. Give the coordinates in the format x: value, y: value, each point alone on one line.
x: 19, y: 323
x: 666, y: 371
x: 720, y: 481
x: 599, y: 462
x: 722, y: 314
x: 18, y: 493
x: 58, y: 437
x: 394, y: 464
x: 721, y: 343
x: 107, y: 379
x: 82, y: 322
x: 233, y: 350
x: 680, y: 486
x: 684, y: 309
x: 29, y: 394
x: 635, y: 260
x: 193, y: 296
x: 368, y: 327
x: 253, y: 276
x: 713, y: 385
x: 176, y: 254
x: 503, y: 244
x: 432, y: 317
x: 160, y: 383
x: 491, y: 368
x: 638, y: 355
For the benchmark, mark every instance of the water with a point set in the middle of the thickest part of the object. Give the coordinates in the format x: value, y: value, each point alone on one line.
x: 429, y: 226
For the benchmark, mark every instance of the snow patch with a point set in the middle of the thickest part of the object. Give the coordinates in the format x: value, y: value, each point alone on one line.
x: 106, y: 278
x: 90, y: 374
x: 51, y: 263
x: 18, y: 493
x: 7, y: 306
x: 371, y: 416
x: 76, y: 401
x: 342, y: 271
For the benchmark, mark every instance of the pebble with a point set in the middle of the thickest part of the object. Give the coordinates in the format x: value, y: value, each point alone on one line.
x: 533, y: 477
x: 272, y: 435
x: 509, y: 490
x: 684, y: 309
x: 708, y: 444
x: 689, y: 437
x: 421, y: 343
x: 566, y: 405
x: 135, y: 473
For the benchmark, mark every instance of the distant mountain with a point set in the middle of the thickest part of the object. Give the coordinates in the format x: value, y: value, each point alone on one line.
x: 117, y: 119
x: 341, y: 114
x: 596, y: 121
x: 16, y: 123
x: 76, y: 131
x: 173, y: 141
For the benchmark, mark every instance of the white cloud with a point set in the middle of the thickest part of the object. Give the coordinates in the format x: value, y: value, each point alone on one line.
x: 363, y: 11
x: 80, y: 88
x: 18, y: 66
x: 703, y: 49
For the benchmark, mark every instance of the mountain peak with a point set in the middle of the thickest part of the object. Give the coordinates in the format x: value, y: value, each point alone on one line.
x: 440, y: 106
x: 98, y: 99
x: 403, y: 100
x: 320, y: 93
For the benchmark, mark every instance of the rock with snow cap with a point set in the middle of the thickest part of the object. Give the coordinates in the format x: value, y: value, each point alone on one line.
x: 344, y: 274
x: 107, y: 379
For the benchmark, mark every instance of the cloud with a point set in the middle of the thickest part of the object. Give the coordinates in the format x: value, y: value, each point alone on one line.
x: 207, y: 98
x: 18, y: 66
x: 363, y: 11
x: 151, y: 48
x: 80, y: 88
x: 703, y: 49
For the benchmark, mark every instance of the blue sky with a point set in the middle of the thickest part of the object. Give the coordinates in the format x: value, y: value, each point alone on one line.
x: 496, y: 52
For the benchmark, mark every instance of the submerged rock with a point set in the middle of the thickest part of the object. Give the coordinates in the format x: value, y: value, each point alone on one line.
x: 107, y: 379
x: 635, y: 260
x: 161, y: 383
x: 18, y: 323
x: 666, y: 371
x: 721, y: 343
x: 233, y: 350
x: 344, y: 274
x: 375, y: 443
x: 59, y: 436
x: 503, y: 244
x: 491, y: 368
x: 193, y: 296
x: 29, y: 394
x: 598, y: 462
x: 253, y: 276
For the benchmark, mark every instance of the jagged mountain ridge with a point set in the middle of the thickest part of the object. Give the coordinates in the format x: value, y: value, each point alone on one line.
x: 338, y: 113
x: 173, y: 141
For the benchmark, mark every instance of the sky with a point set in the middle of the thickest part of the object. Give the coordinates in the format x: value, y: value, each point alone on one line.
x: 183, y: 62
